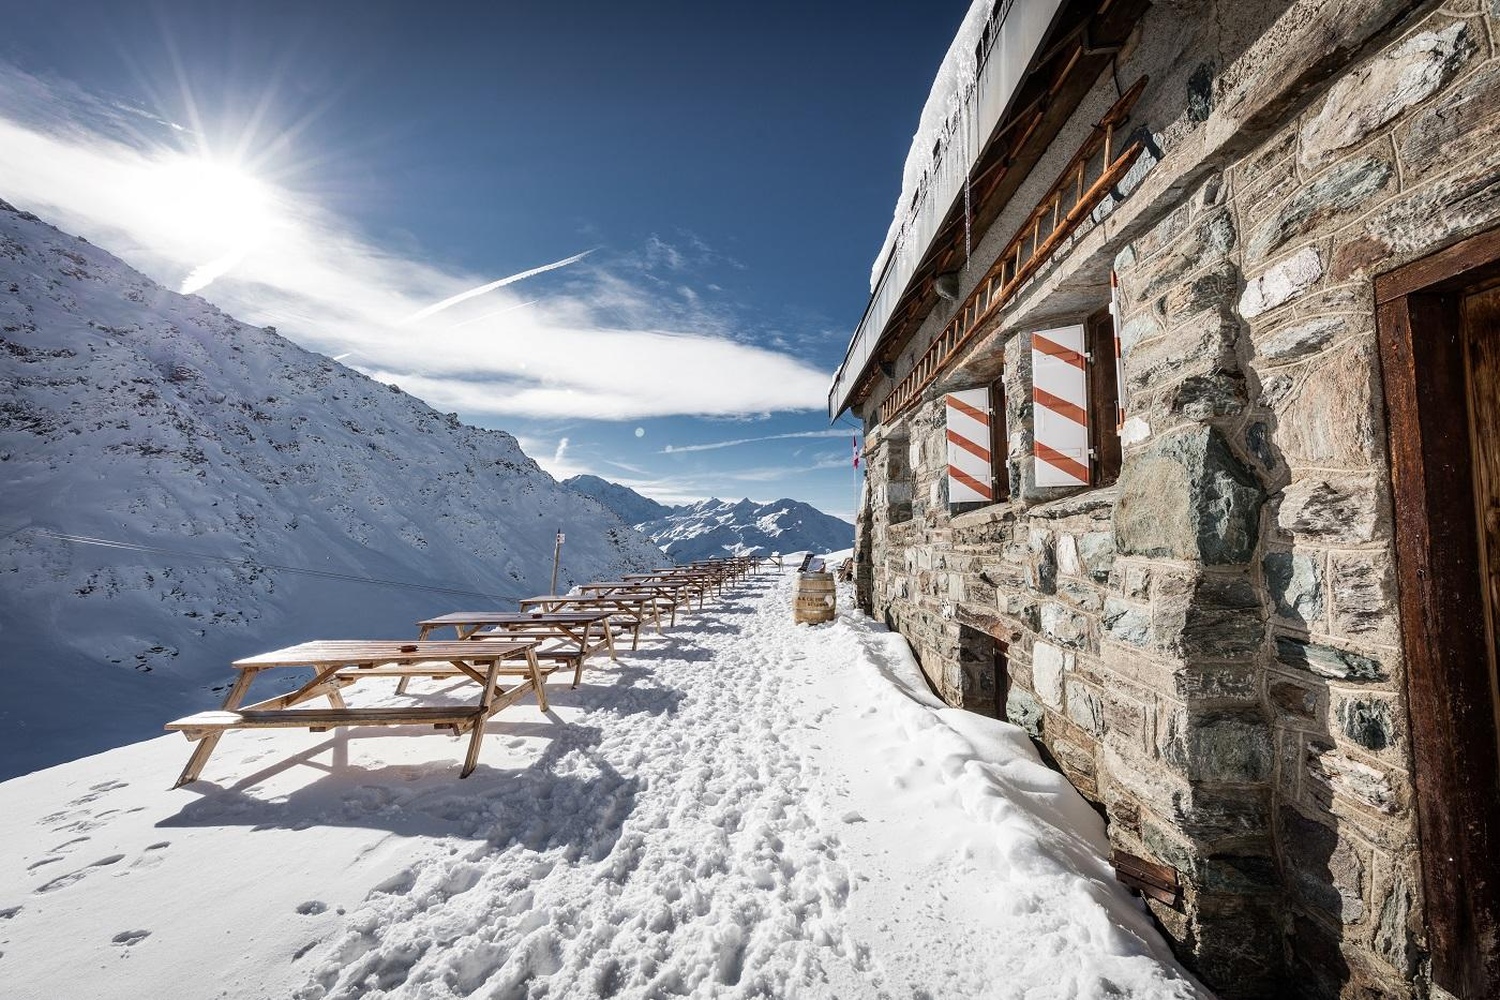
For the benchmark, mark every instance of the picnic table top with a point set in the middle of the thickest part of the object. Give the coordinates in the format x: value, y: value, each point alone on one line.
x: 515, y: 618
x: 639, y: 585
x: 332, y: 651
x: 599, y: 599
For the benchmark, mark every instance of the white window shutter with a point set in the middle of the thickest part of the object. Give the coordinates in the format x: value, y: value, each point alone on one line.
x: 1114, y: 322
x: 970, y: 468
x: 1060, y: 418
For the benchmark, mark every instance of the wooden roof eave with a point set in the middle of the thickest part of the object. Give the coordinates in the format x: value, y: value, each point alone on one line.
x: 1081, y: 48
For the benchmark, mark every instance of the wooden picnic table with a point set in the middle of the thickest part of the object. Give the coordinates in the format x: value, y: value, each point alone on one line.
x: 632, y: 609
x: 338, y: 663
x: 569, y: 636
x: 701, y: 582
x: 671, y: 592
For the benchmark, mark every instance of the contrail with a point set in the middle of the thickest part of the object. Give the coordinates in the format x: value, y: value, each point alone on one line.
x: 674, y: 449
x: 482, y: 289
x: 492, y: 315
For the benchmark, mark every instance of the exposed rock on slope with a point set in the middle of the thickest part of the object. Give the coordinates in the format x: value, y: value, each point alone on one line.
x: 227, y: 454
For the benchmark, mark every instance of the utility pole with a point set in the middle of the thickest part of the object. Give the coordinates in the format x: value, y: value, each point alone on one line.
x: 556, y: 552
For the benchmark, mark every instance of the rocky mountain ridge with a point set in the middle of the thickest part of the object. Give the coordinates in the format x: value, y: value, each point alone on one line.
x: 715, y: 527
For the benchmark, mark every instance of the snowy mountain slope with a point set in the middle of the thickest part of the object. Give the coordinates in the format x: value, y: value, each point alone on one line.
x: 744, y: 807
x: 718, y: 527
x: 135, y: 415
x: 624, y: 501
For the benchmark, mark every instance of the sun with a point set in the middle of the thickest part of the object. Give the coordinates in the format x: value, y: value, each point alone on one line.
x: 213, y: 210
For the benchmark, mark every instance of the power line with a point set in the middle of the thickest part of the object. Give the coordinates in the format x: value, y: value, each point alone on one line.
x: 111, y: 543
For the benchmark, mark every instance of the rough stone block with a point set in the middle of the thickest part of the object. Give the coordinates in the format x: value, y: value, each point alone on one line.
x: 1213, y: 747
x: 1217, y: 393
x: 1333, y: 420
x: 1042, y: 563
x: 1383, y: 88
x: 1207, y: 342
x: 1345, y: 509
x: 1460, y: 122
x: 1292, y: 699
x: 1295, y: 581
x: 1096, y: 549
x: 1368, y: 721
x: 1281, y: 283
x: 1326, y: 661
x: 1241, y: 873
x: 1068, y: 563
x: 1126, y: 623
x: 1301, y: 339
x: 1393, y: 937
x: 1221, y: 619
x: 1364, y: 595
x: 1324, y: 869
x: 1186, y: 496
x: 1356, y: 781
x: 1338, y: 192
x: 1213, y: 813
x: 1049, y: 663
x: 1081, y: 595
x: 1064, y: 626
x: 1022, y: 710
x: 1085, y: 707
x: 1220, y: 682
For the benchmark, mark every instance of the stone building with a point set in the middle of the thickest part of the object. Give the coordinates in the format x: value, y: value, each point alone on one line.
x: 1179, y: 392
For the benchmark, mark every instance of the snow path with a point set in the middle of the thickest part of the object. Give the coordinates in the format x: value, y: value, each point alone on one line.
x: 743, y: 808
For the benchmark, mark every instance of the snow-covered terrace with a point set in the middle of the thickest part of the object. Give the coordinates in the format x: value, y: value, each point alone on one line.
x: 975, y: 87
x: 742, y: 807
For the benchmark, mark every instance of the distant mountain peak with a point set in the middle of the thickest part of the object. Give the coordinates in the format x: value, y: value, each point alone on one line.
x: 715, y: 527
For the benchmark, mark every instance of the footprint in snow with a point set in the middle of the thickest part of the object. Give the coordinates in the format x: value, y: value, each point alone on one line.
x: 9, y: 912
x: 128, y: 938
x: 312, y: 907
x: 71, y: 877
x: 852, y: 816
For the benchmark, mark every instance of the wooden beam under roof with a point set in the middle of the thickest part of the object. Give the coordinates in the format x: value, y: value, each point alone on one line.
x: 1078, y: 50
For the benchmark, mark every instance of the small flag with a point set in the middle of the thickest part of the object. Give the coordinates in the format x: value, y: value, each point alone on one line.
x: 856, y: 452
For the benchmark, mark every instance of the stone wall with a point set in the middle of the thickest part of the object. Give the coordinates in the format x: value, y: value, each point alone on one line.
x: 1209, y: 648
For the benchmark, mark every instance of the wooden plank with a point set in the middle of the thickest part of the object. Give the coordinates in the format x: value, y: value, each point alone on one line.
x: 1430, y: 273
x: 1155, y: 880
x: 1442, y: 625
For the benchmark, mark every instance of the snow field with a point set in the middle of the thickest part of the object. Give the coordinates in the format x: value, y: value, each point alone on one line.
x: 745, y: 807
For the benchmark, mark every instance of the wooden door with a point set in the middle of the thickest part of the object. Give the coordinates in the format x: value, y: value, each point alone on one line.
x: 1479, y: 318
x: 1440, y: 363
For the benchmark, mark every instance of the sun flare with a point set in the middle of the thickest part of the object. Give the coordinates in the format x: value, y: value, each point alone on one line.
x: 216, y: 211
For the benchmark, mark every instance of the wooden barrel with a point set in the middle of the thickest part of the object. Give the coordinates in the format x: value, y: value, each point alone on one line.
x: 814, y: 598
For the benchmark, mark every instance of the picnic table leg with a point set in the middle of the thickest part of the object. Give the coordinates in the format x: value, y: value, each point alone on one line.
x: 405, y: 682
x: 583, y: 652
x: 472, y: 760
x: 205, y: 747
x: 609, y: 638
x: 537, y: 680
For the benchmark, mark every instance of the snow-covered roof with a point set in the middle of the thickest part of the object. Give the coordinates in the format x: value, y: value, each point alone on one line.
x: 973, y: 90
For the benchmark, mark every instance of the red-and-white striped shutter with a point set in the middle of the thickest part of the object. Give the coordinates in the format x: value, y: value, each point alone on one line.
x: 970, y: 475
x: 1059, y: 387
x: 1114, y: 321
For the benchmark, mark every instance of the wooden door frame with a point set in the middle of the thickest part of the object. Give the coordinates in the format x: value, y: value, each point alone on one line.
x: 1452, y: 720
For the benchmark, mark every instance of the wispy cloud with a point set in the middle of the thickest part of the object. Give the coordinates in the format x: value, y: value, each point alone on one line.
x: 604, y: 343
x: 677, y: 449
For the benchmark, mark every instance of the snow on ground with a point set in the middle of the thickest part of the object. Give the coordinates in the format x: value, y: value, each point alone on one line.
x: 743, y: 807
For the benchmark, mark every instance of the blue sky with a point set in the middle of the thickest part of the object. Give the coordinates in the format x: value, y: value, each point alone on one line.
x: 726, y: 171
